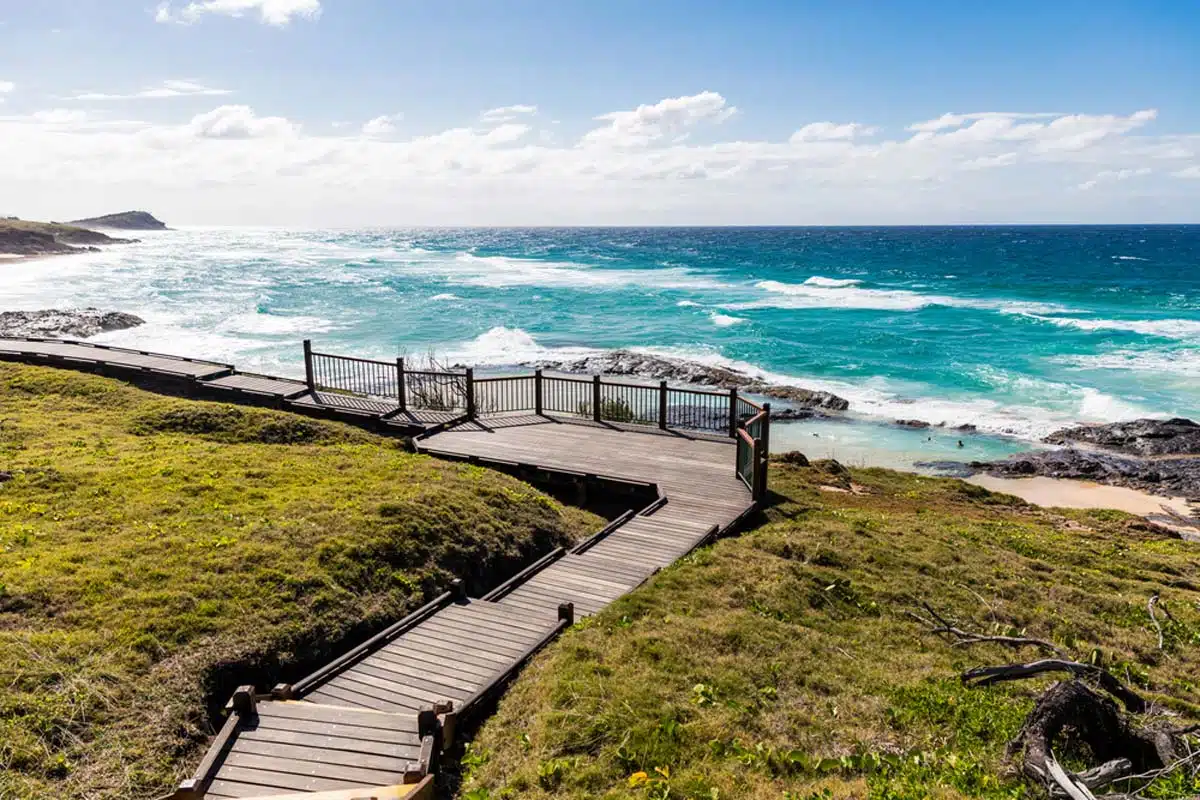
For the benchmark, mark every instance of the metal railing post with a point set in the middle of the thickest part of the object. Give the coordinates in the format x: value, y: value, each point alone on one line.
x: 596, y: 398
x: 470, y: 393
x: 733, y: 413
x: 308, y: 366
x: 537, y: 391
x: 401, y: 389
x: 662, y: 405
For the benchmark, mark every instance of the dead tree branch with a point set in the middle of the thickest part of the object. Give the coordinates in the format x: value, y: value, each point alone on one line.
x: 1158, y: 627
x: 983, y: 676
x: 937, y: 624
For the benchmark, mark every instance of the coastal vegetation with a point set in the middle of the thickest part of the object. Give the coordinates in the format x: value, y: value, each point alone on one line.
x: 802, y: 659
x: 126, y: 220
x: 156, y: 552
x: 25, y: 238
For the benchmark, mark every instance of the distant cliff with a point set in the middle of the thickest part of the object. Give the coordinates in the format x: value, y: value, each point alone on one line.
x: 24, y: 238
x: 125, y: 221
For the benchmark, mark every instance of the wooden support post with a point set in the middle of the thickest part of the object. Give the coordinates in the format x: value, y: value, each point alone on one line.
x: 760, y: 484
x: 459, y: 590
x: 401, y: 389
x: 470, y: 393
x: 662, y: 405
x: 766, y: 430
x: 566, y: 612
x: 596, y: 398
x: 733, y: 413
x: 308, y: 366
x: 243, y: 702
x: 537, y: 391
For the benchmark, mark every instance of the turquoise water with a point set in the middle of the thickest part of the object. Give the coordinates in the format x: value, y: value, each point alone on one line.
x: 1015, y: 330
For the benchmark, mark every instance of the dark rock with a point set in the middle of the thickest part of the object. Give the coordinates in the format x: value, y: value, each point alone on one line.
x: 5, y: 476
x: 1163, y: 476
x: 18, y: 237
x: 126, y: 221
x: 949, y: 469
x: 793, y: 457
x: 77, y: 323
x: 625, y: 362
x: 967, y: 428
x: 1142, y: 437
x: 912, y: 423
x: 787, y: 414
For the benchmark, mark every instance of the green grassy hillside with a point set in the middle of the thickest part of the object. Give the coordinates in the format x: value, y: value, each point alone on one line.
x: 783, y: 663
x: 154, y: 552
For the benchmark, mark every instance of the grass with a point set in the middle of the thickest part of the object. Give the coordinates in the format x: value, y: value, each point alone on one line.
x: 155, y: 552
x: 781, y: 664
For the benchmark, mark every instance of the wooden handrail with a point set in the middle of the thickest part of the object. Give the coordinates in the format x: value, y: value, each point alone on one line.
x: 746, y: 437
x: 524, y: 575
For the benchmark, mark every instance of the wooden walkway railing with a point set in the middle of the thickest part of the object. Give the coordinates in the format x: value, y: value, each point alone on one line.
x: 725, y: 413
x: 372, y: 722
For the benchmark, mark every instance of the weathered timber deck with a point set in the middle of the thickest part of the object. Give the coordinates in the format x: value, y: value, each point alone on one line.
x: 372, y: 722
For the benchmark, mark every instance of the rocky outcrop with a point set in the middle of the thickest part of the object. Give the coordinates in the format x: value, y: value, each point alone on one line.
x: 71, y: 323
x: 125, y: 221
x: 23, y: 238
x: 625, y: 362
x: 1141, y: 437
x: 1175, y: 477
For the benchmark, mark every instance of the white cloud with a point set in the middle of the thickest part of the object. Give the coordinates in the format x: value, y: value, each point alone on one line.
x: 952, y: 120
x: 1113, y: 175
x: 239, y: 122
x: 238, y: 164
x: 271, y: 12
x: 168, y: 89
x: 650, y: 123
x: 507, y: 113
x: 830, y: 131
x: 382, y: 126
x: 7, y: 87
x: 990, y: 162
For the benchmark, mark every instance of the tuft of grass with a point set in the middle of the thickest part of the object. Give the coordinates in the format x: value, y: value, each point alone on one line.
x: 155, y: 553
x: 781, y: 663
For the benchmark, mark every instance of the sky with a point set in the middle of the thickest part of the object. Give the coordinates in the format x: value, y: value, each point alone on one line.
x: 347, y: 113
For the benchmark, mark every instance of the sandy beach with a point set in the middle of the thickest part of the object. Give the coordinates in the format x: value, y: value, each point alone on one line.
x: 1173, y: 512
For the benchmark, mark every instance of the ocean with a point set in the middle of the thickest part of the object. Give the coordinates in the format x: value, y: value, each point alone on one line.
x: 1015, y: 330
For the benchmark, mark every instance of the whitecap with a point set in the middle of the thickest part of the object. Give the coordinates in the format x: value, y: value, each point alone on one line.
x: 1129, y: 258
x: 445, y: 296
x: 724, y: 320
x: 687, y: 304
x: 1163, y: 328
x: 832, y: 283
x: 498, y: 272
x: 802, y: 296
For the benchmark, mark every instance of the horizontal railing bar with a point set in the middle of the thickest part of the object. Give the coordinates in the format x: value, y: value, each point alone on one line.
x: 747, y: 438
x: 700, y: 392
x: 747, y: 401
x: 757, y: 418
x: 524, y: 575
x: 430, y: 373
x: 388, y: 364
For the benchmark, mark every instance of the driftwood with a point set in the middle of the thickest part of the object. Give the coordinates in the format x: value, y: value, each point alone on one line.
x: 982, y: 676
x: 958, y: 637
x: 1129, y: 753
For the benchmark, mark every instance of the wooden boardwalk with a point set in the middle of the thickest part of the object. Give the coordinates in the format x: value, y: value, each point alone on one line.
x: 372, y: 722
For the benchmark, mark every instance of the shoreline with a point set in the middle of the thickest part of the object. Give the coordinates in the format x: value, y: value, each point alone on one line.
x: 1178, y: 514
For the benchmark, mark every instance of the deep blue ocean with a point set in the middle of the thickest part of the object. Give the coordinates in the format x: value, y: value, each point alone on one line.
x: 1017, y: 330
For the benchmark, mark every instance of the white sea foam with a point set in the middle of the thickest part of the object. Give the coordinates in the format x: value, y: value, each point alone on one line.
x: 1181, y: 363
x: 259, y: 323
x: 832, y: 283
x: 804, y: 295
x: 724, y: 320
x: 445, y: 296
x: 498, y: 272
x: 1129, y: 258
x: 687, y: 304
x: 502, y: 347
x: 1165, y: 328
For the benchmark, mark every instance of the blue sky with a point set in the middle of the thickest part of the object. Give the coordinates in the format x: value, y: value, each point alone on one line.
x: 263, y: 110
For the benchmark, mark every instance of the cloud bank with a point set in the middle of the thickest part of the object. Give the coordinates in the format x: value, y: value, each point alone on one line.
x: 668, y: 162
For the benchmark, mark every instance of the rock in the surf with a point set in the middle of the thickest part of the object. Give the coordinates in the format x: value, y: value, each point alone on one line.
x: 74, y: 323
